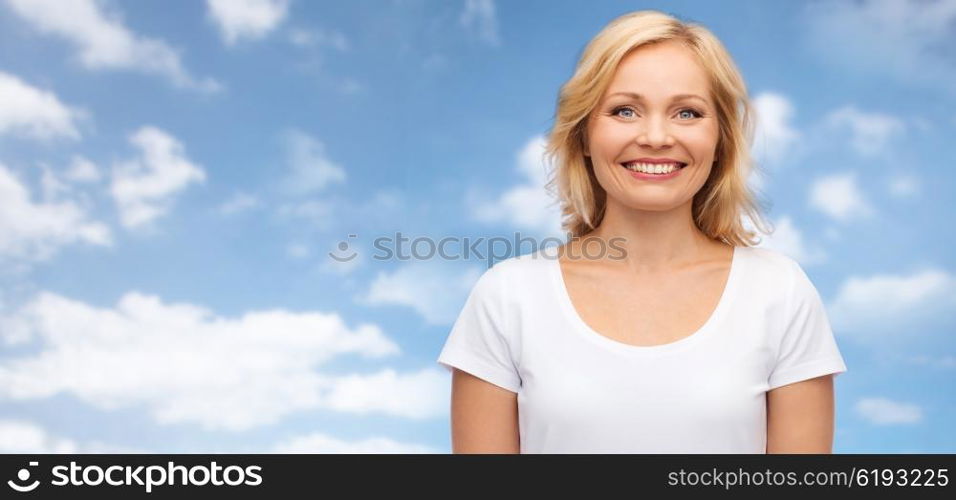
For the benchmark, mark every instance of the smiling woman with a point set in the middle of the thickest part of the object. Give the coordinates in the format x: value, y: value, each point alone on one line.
x: 696, y: 340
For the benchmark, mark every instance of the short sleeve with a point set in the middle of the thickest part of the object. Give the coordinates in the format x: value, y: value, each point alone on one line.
x: 807, y: 348
x: 479, y: 340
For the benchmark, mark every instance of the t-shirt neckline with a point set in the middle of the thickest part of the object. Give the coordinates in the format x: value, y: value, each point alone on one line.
x: 585, y: 330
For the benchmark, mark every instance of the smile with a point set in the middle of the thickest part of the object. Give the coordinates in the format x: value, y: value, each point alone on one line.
x: 654, y: 168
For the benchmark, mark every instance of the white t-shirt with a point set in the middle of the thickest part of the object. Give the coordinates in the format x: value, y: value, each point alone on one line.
x: 582, y: 392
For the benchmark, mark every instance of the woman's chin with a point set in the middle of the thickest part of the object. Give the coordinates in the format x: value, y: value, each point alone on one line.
x: 646, y: 202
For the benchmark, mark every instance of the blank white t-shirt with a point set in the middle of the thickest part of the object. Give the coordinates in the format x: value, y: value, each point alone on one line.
x: 582, y: 392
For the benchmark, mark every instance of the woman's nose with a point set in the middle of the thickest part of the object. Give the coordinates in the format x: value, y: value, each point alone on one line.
x: 655, y: 133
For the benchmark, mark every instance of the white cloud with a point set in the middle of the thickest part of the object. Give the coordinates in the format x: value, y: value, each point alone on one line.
x: 883, y: 411
x: 82, y: 170
x: 788, y: 239
x: 19, y: 436
x: 414, y: 395
x: 317, y: 211
x: 839, y: 196
x: 775, y: 135
x: 246, y: 19
x: 382, y: 209
x: 144, y: 187
x: 904, y: 186
x: 36, y: 230
x: 904, y: 40
x: 892, y: 305
x: 527, y: 205
x: 435, y: 289
x: 341, y: 267
x: 871, y: 133
x: 185, y: 364
x: 310, y: 38
x: 310, y: 168
x: 51, y: 186
x: 944, y: 362
x: 297, y: 250
x: 32, y: 112
x: 239, y: 202
x: 323, y: 443
x: 104, y: 42
x: 479, y: 16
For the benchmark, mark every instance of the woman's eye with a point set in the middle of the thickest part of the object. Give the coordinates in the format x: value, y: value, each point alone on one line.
x: 622, y: 108
x: 696, y: 114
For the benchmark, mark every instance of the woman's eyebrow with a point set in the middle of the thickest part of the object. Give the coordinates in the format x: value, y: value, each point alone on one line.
x: 639, y: 97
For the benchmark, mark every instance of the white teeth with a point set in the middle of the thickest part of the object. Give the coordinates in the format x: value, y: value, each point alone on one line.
x: 652, y: 168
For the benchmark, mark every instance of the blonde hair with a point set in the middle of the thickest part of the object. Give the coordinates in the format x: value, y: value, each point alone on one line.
x: 724, y: 197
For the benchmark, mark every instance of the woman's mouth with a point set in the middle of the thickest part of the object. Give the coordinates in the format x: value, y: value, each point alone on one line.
x: 653, y: 170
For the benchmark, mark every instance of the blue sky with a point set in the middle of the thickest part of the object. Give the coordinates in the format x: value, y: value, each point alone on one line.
x: 174, y: 174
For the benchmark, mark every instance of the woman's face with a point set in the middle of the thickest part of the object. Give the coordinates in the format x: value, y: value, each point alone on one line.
x: 648, y: 113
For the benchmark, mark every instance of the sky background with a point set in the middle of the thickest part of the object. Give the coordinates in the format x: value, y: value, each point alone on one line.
x: 173, y: 176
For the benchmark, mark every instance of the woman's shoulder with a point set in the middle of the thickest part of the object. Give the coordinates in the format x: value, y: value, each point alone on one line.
x: 519, y: 272
x: 773, y: 273
x: 769, y: 261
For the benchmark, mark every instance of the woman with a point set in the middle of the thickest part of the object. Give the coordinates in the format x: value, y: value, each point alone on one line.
x: 688, y: 339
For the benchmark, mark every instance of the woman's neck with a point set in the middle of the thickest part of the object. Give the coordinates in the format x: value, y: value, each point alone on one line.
x: 654, y: 240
